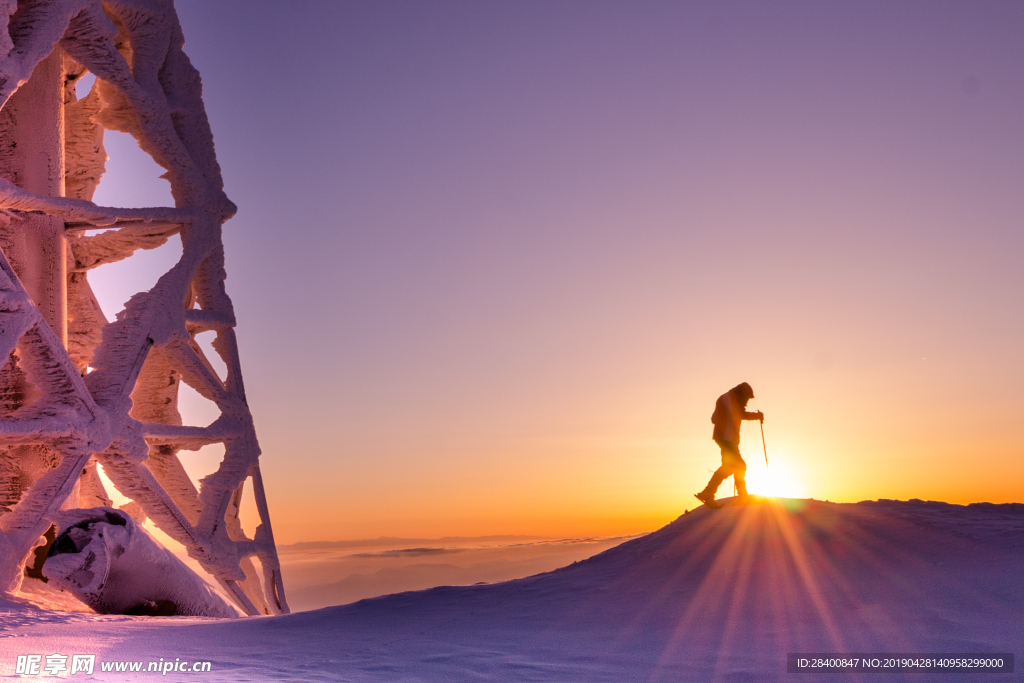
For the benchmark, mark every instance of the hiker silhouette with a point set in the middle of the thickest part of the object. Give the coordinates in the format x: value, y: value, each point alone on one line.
x: 730, y: 410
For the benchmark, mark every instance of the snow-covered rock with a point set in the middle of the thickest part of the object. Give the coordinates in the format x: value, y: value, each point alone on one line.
x: 109, y: 562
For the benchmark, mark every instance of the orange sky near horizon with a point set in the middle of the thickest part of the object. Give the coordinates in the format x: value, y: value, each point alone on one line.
x: 492, y: 280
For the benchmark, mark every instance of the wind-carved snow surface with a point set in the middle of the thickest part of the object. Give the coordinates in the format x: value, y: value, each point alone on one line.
x: 111, y: 396
x: 718, y: 595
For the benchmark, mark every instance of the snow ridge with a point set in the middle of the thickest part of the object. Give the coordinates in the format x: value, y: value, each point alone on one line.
x: 718, y: 595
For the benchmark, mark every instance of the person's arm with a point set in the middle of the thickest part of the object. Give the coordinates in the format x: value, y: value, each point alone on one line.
x: 747, y: 415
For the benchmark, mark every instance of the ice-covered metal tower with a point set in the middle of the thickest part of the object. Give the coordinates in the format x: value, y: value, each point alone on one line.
x: 75, y: 389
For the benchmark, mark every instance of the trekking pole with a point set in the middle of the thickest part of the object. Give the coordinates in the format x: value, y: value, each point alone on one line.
x: 764, y: 446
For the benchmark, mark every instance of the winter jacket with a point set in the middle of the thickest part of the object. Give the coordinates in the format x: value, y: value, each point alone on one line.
x: 727, y: 417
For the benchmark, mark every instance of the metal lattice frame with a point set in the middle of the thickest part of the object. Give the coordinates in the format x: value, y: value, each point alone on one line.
x: 110, y: 394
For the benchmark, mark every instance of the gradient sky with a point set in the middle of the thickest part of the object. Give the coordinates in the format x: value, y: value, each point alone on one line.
x: 495, y: 261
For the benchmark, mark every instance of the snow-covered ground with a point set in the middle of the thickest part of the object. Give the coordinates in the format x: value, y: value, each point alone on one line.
x: 716, y: 595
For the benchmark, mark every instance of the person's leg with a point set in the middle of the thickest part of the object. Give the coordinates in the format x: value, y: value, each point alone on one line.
x: 720, y: 475
x: 740, y: 477
x: 725, y: 471
x: 737, y: 467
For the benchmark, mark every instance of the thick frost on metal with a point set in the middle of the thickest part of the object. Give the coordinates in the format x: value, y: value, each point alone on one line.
x: 75, y: 389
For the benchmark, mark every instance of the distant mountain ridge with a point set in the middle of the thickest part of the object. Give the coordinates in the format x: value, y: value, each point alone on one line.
x: 395, y: 540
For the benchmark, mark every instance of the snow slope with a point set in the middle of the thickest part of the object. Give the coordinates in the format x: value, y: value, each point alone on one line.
x: 714, y: 596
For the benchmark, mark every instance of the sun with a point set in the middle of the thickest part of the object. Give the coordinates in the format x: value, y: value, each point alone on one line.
x: 777, y: 480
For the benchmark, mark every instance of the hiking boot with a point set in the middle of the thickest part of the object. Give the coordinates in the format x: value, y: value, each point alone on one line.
x: 708, y: 499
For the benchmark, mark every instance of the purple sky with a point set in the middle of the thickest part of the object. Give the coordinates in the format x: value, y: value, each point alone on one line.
x: 494, y: 261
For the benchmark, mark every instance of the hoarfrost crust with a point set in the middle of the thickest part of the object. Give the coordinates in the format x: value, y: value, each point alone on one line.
x: 110, y: 396
x: 109, y: 562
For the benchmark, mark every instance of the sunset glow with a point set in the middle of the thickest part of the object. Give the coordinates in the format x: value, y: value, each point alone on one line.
x: 778, y: 480
x: 521, y: 277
